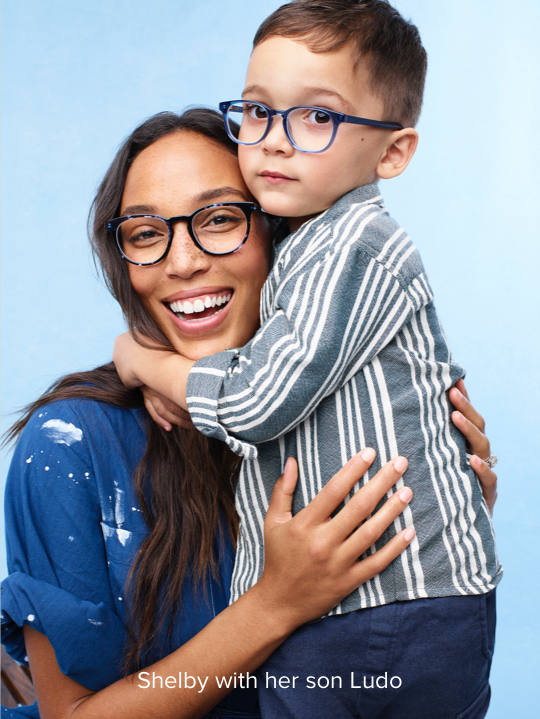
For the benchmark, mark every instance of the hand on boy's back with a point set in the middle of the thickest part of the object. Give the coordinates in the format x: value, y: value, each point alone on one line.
x: 165, y: 412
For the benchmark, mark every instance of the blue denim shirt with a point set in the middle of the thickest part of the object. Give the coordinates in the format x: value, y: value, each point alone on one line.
x: 73, y: 527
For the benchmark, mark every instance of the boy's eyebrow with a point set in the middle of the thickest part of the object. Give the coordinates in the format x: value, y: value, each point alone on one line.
x: 206, y: 196
x: 257, y: 89
x: 252, y: 88
x: 219, y: 192
x: 329, y: 93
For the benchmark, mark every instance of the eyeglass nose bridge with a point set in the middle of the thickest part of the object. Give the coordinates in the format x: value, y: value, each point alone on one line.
x: 188, y: 221
x: 284, y: 114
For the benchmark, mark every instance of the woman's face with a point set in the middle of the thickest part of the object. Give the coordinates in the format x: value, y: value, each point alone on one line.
x: 177, y: 175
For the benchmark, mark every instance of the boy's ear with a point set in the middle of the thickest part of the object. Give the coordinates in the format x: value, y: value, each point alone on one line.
x: 397, y: 153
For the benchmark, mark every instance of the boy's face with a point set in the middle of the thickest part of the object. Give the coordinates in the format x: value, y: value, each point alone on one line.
x: 284, y: 73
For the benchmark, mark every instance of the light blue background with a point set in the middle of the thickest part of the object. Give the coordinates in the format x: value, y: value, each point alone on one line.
x: 78, y: 76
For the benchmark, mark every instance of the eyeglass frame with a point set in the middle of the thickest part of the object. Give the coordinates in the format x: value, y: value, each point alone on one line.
x: 112, y: 226
x: 337, y: 119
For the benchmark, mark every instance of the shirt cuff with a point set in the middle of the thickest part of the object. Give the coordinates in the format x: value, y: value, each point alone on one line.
x: 88, y: 639
x: 203, y: 390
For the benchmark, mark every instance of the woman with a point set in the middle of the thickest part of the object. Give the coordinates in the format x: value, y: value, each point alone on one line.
x: 105, y: 509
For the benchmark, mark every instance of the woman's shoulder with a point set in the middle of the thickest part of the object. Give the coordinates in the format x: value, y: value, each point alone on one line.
x: 83, y: 426
x: 76, y: 450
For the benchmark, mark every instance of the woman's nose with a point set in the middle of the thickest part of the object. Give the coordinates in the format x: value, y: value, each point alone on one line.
x: 184, y: 258
x: 276, y: 141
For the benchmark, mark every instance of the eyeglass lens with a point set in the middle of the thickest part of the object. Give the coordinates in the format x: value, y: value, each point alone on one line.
x: 311, y: 130
x: 218, y: 229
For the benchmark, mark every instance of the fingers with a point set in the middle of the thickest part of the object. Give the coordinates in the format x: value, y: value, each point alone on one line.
x: 461, y: 403
x: 477, y: 442
x: 460, y: 384
x: 488, y: 481
x: 155, y: 416
x: 330, y: 497
x: 366, y: 499
x: 375, y: 563
x: 371, y: 530
x: 280, y: 507
x: 165, y: 412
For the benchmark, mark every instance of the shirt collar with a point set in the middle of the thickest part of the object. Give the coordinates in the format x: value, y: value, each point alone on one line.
x: 367, y: 194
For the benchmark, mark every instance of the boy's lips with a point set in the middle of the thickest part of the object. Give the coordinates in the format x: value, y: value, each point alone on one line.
x: 276, y: 177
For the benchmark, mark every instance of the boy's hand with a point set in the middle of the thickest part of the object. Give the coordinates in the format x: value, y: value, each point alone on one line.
x: 165, y: 412
x: 157, y: 366
x: 124, y: 358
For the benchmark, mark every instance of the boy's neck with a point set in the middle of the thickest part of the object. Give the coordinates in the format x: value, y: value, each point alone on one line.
x: 295, y: 223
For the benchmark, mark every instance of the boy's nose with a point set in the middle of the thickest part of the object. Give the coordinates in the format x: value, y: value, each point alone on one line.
x: 276, y: 141
x: 184, y: 259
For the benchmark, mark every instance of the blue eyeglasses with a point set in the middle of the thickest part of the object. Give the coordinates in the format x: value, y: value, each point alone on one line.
x: 308, y: 129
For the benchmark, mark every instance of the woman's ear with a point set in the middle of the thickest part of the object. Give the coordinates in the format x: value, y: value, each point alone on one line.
x: 397, y: 153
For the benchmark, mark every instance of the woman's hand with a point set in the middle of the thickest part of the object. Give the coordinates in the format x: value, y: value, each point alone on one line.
x: 311, y: 563
x: 326, y: 549
x: 471, y: 424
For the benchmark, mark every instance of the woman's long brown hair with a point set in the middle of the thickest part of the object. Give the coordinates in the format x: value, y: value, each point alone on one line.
x: 188, y: 477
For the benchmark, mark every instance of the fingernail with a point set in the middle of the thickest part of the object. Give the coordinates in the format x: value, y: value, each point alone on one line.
x: 405, y: 494
x: 459, y: 393
x: 400, y: 464
x: 409, y: 534
x: 476, y: 460
x: 368, y: 454
x: 459, y: 416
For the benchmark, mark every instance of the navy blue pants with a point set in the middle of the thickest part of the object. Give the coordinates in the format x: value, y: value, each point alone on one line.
x: 423, y: 659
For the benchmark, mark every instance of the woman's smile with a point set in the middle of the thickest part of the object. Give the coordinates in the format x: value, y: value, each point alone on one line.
x: 200, y: 310
x: 203, y: 303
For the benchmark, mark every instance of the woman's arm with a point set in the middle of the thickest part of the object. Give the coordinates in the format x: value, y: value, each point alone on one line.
x: 312, y: 555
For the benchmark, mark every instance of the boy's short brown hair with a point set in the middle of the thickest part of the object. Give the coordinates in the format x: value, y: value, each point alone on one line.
x: 377, y: 33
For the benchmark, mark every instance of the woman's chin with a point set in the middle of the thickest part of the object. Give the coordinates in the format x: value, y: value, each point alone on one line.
x: 198, y: 337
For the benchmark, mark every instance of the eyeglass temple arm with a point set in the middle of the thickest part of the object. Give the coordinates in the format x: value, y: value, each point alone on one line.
x: 371, y: 123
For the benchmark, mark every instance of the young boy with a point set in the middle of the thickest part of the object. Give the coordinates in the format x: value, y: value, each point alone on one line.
x: 350, y: 354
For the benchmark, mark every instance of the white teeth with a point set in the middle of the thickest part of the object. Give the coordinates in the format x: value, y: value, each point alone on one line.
x: 198, y: 305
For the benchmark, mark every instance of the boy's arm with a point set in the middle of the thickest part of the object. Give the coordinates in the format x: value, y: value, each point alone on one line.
x: 165, y: 372
x: 329, y: 319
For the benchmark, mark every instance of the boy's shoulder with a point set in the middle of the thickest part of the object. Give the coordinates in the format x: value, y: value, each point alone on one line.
x: 359, y: 225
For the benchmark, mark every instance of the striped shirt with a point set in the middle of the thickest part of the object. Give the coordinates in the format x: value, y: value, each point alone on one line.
x: 351, y: 354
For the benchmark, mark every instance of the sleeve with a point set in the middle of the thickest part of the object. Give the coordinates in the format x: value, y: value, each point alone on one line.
x: 332, y: 314
x: 58, y: 577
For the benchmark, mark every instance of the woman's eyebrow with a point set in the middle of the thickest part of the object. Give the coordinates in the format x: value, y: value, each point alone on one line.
x: 206, y: 196
x: 139, y: 210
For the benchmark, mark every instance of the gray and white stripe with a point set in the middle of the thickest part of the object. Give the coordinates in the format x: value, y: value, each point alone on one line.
x: 351, y: 354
